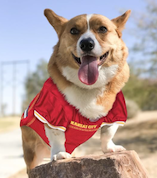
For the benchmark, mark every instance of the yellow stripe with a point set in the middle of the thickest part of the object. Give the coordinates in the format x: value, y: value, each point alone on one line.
x: 120, y: 122
x: 85, y: 130
x: 40, y: 116
x: 43, y: 119
x: 117, y: 122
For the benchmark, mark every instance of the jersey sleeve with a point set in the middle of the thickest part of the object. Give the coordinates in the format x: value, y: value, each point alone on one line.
x: 49, y: 110
x: 118, y: 113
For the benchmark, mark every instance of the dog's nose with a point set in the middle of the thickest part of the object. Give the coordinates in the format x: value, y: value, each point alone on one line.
x: 87, y: 44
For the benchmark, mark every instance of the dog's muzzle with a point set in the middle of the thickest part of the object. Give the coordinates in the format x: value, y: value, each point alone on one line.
x: 87, y: 44
x: 88, y: 72
x: 89, y: 63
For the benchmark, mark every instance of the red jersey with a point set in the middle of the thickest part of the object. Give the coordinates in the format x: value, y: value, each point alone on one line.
x: 50, y: 107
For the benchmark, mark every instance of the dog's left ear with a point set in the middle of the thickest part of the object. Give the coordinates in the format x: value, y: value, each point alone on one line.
x: 55, y: 20
x: 120, y: 22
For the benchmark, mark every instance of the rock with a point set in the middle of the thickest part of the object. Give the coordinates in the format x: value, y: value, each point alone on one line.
x: 124, y: 164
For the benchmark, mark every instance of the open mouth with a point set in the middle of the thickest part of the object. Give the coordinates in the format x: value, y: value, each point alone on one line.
x: 77, y: 59
x: 88, y: 72
x: 101, y: 59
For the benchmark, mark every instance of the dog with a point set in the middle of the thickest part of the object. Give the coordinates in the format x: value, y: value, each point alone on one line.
x: 87, y: 71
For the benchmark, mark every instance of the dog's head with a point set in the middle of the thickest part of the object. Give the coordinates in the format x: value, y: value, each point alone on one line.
x: 90, y: 50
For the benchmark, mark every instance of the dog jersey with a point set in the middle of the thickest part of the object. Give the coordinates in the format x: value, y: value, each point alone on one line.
x: 50, y: 107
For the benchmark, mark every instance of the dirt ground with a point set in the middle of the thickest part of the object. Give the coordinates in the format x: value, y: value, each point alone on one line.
x: 142, y: 137
x: 9, y: 123
x: 20, y: 174
x: 139, y: 134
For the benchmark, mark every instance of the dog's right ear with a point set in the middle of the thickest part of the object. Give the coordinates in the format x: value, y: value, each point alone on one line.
x: 55, y: 20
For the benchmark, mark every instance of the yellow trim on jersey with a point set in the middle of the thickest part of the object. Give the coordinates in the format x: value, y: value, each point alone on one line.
x: 42, y: 119
x: 117, y: 122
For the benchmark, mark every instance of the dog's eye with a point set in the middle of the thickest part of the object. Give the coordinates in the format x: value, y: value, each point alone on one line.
x: 74, y: 31
x: 102, y: 29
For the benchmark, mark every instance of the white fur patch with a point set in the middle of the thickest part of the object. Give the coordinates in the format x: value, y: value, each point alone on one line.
x: 88, y: 19
x: 105, y: 75
x: 84, y: 97
x: 56, y: 140
x: 97, y: 51
x: 85, y: 101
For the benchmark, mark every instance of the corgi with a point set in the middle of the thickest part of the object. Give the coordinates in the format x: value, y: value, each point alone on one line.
x: 87, y: 71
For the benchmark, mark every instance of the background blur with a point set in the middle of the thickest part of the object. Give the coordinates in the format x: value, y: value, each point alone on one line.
x: 26, y: 44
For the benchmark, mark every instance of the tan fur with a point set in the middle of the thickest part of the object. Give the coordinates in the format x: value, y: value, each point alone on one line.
x: 108, y: 97
x: 62, y: 52
x: 34, y: 147
x: 117, y: 82
x: 58, y: 21
x: 120, y: 22
x: 55, y: 73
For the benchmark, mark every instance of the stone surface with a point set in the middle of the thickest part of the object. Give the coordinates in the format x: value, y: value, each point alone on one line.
x: 124, y: 164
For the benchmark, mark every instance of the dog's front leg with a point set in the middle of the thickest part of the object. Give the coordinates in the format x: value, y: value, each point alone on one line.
x: 57, y: 140
x: 107, y: 134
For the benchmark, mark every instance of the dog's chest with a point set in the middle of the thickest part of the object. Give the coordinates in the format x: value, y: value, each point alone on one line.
x: 85, y: 101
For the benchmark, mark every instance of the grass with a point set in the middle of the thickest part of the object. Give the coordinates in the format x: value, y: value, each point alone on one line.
x: 9, y: 123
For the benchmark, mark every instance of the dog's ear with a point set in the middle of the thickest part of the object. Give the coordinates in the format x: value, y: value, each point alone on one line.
x: 55, y: 20
x: 120, y: 22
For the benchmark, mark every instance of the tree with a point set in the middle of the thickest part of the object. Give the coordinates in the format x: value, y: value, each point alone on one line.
x: 142, y: 91
x: 34, y: 82
x: 145, y: 47
x: 142, y: 85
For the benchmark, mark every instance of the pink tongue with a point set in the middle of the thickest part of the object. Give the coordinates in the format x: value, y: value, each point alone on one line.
x: 88, y: 72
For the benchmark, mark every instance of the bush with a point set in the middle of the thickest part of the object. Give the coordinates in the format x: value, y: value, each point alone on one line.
x: 142, y: 91
x: 132, y: 108
x: 34, y: 82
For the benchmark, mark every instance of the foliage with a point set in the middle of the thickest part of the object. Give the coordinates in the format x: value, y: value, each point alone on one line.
x: 34, y: 82
x: 142, y: 86
x: 142, y: 91
x: 145, y: 48
x: 132, y: 108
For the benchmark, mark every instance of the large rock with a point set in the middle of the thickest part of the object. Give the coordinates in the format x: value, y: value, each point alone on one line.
x: 124, y: 164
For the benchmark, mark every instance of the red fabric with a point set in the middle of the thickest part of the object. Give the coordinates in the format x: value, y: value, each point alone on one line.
x: 54, y: 110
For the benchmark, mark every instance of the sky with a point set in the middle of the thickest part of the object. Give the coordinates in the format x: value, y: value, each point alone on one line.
x: 26, y: 35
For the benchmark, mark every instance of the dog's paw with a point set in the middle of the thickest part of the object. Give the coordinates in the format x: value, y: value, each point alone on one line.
x: 116, y: 148
x: 61, y: 155
x: 111, y: 147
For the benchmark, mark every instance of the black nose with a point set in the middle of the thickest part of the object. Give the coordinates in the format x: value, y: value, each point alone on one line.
x: 87, y: 44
